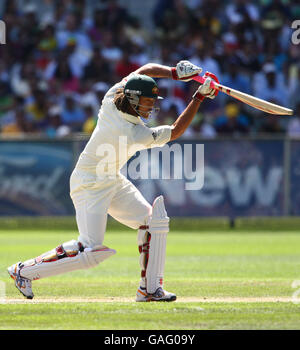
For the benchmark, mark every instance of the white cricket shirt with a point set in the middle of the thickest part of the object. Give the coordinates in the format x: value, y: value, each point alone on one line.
x: 117, y: 137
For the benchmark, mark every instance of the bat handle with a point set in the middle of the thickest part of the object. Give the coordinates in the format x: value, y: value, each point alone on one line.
x: 201, y: 80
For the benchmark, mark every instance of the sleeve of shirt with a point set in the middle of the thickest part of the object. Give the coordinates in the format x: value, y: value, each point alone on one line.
x: 160, y: 135
x: 144, y: 137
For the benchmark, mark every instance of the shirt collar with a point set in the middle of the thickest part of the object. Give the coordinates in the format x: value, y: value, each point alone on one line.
x: 131, y: 118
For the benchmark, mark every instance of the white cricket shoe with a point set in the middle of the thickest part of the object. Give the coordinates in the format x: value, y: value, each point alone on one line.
x: 21, y: 283
x: 159, y: 295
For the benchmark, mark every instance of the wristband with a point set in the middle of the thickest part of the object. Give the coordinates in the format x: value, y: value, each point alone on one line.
x: 198, y: 96
x: 174, y: 74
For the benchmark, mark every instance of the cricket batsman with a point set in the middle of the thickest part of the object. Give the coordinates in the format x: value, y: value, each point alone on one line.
x: 98, y: 188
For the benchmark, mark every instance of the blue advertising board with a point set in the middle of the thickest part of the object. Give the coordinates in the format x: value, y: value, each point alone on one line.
x: 212, y: 178
x: 34, y: 178
x: 295, y: 178
x: 241, y: 178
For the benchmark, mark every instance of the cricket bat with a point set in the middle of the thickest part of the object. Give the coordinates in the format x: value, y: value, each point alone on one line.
x: 255, y: 102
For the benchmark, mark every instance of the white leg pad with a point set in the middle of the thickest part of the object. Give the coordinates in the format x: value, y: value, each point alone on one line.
x: 51, y: 263
x: 156, y: 263
x: 153, y: 262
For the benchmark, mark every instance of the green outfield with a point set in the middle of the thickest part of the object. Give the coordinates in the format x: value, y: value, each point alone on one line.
x: 226, y: 279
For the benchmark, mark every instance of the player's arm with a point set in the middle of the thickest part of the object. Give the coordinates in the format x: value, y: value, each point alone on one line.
x: 183, y: 71
x: 186, y: 117
x: 155, y: 70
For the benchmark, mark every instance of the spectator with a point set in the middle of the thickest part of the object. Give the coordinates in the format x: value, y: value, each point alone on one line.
x: 100, y: 90
x: 62, y: 71
x: 72, y: 32
x: 233, y: 121
x: 294, y: 88
x: 19, y: 125
x: 200, y: 127
x: 72, y: 115
x: 247, y: 57
x: 203, y: 59
x: 55, y: 127
x: 60, y: 47
x: 243, y: 13
x: 235, y: 78
x: 21, y: 75
x: 114, y: 14
x: 98, y: 68
x: 138, y: 35
x: 110, y: 50
x: 273, y: 16
x: 139, y: 54
x: 28, y: 31
x: 293, y: 128
x: 95, y: 96
x: 271, y: 125
x: 98, y: 26
x: 270, y: 85
x: 4, y: 72
x: 166, y: 88
x: 6, y: 98
x: 90, y: 120
x: 170, y: 115
x: 38, y: 108
x: 125, y: 66
x: 46, y: 47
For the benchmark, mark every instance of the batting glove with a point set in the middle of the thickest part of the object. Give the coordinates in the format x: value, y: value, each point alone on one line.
x: 205, y: 90
x: 185, y: 71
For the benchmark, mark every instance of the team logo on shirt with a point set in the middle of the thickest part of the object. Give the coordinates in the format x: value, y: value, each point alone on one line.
x: 154, y: 134
x: 155, y: 90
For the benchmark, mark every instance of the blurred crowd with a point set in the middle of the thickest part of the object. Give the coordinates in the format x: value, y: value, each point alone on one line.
x: 61, y: 57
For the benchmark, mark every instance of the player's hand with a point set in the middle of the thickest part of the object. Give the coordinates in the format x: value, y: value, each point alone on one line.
x: 185, y: 71
x: 205, y: 90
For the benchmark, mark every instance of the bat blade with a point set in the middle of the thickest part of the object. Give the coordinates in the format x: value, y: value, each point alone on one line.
x: 255, y: 102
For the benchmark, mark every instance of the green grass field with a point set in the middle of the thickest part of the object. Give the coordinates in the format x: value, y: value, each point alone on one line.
x: 223, y: 280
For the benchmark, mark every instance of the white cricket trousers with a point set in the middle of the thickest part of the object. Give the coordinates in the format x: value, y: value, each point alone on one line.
x: 94, y: 199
